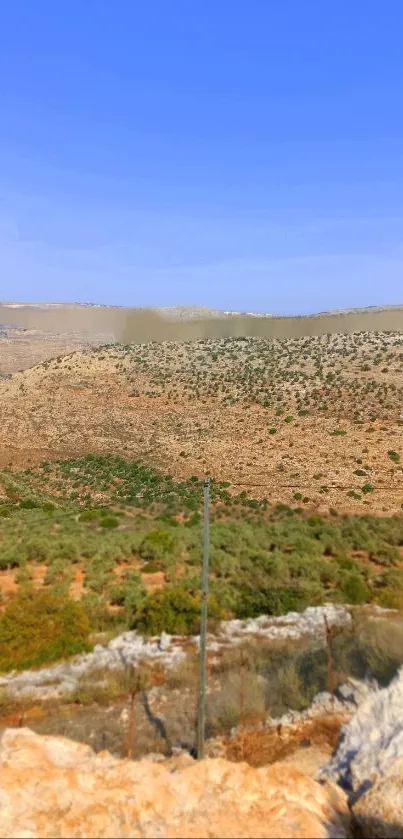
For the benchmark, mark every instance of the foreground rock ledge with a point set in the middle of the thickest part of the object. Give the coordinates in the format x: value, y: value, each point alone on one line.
x: 53, y: 787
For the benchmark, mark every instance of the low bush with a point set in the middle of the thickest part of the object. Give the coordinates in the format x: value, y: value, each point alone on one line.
x: 109, y: 521
x: 278, y: 600
x: 130, y: 593
x: 151, y: 567
x: 38, y: 627
x: 176, y: 611
x: 89, y: 515
x: 355, y: 589
x: 99, y: 616
x: 157, y: 545
x: 171, y: 610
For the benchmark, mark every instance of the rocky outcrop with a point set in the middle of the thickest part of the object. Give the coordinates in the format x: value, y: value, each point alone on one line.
x: 343, y: 703
x: 368, y: 762
x: 50, y: 786
x: 378, y: 814
x: 371, y: 743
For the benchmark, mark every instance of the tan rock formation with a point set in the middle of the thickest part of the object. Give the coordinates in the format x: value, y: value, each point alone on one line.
x: 53, y: 787
x: 379, y: 812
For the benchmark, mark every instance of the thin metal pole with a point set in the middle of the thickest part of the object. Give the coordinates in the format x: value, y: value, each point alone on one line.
x: 203, y: 626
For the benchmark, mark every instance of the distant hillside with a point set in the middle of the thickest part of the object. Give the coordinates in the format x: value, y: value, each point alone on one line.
x: 316, y: 420
x: 192, y: 322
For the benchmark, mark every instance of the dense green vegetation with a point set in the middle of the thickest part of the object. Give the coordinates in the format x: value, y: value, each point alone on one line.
x: 39, y: 627
x: 262, y: 559
x: 129, y: 483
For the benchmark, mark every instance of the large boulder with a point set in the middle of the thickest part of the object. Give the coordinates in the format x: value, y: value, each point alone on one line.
x: 368, y: 763
x: 53, y: 787
x: 379, y: 812
x: 371, y: 743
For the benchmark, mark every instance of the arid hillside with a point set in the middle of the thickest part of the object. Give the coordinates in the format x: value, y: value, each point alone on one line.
x: 183, y: 323
x: 315, y: 420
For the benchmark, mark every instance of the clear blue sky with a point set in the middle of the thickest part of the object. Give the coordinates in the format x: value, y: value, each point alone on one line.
x: 247, y: 155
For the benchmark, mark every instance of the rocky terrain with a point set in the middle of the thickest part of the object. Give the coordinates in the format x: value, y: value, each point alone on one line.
x: 314, y: 420
x: 131, y: 649
x: 103, y: 448
x: 368, y: 762
x: 53, y: 787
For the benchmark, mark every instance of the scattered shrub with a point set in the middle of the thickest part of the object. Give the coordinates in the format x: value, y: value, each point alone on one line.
x: 151, y: 567
x: 109, y: 521
x: 37, y: 627
x: 130, y: 594
x: 157, y: 545
x: 89, y: 515
x: 171, y: 610
x: 355, y: 589
x: 28, y: 504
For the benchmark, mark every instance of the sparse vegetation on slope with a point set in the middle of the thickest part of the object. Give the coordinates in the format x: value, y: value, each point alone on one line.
x: 264, y: 412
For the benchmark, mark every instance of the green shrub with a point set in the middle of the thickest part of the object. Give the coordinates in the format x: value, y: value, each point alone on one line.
x: 99, y: 573
x: 355, y: 589
x: 95, y: 608
x: 35, y: 549
x: 109, y: 521
x: 278, y: 600
x: 157, y: 545
x: 89, y: 515
x: 57, y: 572
x: 391, y: 598
x: 393, y: 578
x: 129, y: 593
x: 345, y: 563
x: 394, y: 456
x: 28, y: 504
x: 38, y: 627
x: 48, y: 507
x: 170, y: 610
x: 10, y: 558
x: 291, y: 687
x: 151, y: 567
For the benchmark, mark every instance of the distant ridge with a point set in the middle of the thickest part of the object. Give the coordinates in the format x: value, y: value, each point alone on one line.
x: 184, y: 323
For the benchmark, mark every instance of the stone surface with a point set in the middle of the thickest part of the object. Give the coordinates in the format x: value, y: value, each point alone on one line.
x: 379, y: 812
x: 309, y: 760
x: 53, y: 787
x: 371, y: 743
x: 355, y: 692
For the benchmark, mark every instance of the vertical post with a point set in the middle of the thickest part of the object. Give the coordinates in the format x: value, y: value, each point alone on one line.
x: 203, y: 626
